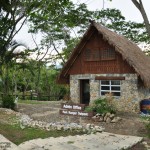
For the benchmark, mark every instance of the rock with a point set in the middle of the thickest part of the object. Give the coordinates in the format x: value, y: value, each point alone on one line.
x: 93, y: 130
x: 59, y: 127
x: 101, y: 119
x: 88, y: 126
x: 108, y: 120
x: 96, y: 118
x: 112, y: 116
x: 103, y: 114
x: 48, y: 128
x: 108, y: 114
x: 22, y: 126
x: 79, y: 127
x: 99, y: 129
x: 116, y: 119
x: 105, y: 118
x: 98, y: 114
x: 146, y: 145
x: 66, y: 128
x: 26, y: 121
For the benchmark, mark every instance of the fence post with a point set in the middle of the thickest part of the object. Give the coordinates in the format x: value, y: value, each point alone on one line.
x: 31, y: 95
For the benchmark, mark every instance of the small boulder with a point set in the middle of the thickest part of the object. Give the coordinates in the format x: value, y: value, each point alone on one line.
x: 108, y: 120
x: 59, y: 127
x: 101, y: 119
x: 99, y: 129
x: 96, y: 118
x: 116, y: 119
x: 112, y: 116
x: 108, y: 114
x: 88, y: 126
x: 105, y: 118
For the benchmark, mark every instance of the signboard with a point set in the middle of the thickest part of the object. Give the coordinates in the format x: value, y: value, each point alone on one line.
x: 73, y: 106
x: 74, y: 110
x: 76, y: 113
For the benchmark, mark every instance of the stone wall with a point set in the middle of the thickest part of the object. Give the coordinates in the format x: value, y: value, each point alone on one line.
x: 75, y: 90
x: 131, y: 93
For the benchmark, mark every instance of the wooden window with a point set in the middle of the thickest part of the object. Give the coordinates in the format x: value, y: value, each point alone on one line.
x: 110, y: 86
x: 87, y: 54
x: 92, y: 55
x: 107, y: 54
x: 96, y: 55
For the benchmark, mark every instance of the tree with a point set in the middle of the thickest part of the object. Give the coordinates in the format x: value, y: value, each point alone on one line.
x: 140, y: 7
x: 56, y: 20
x: 13, y: 15
x: 114, y: 20
x: 59, y: 20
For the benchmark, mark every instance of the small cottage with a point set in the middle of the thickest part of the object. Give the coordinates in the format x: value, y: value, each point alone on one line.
x: 104, y: 62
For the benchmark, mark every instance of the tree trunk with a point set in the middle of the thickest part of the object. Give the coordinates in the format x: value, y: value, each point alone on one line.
x: 38, y: 80
x: 140, y: 7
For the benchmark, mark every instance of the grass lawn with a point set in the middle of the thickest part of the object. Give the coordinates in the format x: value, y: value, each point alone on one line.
x: 10, y: 128
x: 17, y: 135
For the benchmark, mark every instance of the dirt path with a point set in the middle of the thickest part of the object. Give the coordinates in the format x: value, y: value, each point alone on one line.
x: 131, y: 124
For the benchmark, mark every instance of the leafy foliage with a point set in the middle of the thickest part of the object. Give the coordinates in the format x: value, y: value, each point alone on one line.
x: 113, y: 19
x: 57, y: 20
x: 101, y: 106
x: 8, y: 102
x: 63, y: 31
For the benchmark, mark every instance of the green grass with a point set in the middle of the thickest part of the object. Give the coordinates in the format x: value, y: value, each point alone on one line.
x: 17, y: 135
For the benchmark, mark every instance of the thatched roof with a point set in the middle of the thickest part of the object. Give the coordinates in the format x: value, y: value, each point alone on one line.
x: 129, y: 51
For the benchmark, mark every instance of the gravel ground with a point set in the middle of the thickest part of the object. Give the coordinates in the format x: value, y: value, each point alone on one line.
x: 131, y: 124
x: 48, y: 112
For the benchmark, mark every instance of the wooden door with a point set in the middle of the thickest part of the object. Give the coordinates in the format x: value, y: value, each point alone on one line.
x: 84, y: 91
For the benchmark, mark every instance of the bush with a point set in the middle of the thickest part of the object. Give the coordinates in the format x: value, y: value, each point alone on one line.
x: 8, y: 102
x: 148, y: 129
x: 101, y: 106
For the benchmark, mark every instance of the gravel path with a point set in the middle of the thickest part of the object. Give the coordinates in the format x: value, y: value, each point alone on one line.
x: 131, y: 124
x: 48, y: 112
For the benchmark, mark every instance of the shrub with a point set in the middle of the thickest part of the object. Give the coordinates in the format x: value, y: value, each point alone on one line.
x: 148, y: 129
x: 8, y: 102
x: 101, y: 106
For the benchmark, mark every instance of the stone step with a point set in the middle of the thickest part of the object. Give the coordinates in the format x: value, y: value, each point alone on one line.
x: 98, y: 141
x: 5, y: 144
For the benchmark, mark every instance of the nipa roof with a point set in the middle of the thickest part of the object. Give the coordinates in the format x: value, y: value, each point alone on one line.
x: 129, y: 51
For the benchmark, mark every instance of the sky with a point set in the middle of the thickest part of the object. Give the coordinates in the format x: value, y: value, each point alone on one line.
x: 125, y: 6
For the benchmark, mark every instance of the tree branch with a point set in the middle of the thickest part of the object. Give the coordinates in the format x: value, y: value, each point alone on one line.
x: 58, y: 52
x: 45, y: 53
x: 12, y: 34
x: 137, y: 4
x: 140, y: 7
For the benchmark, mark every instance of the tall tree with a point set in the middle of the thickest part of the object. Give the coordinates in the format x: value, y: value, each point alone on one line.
x: 13, y: 15
x: 140, y: 7
x: 59, y: 20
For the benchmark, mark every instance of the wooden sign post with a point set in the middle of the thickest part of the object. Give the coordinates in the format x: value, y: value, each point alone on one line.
x: 74, y: 110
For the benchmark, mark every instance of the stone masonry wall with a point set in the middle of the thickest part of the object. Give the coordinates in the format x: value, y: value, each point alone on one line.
x: 130, y: 97
x: 75, y: 90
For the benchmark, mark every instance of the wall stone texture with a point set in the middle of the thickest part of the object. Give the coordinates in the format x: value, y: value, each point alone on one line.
x: 131, y: 93
x: 75, y: 90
